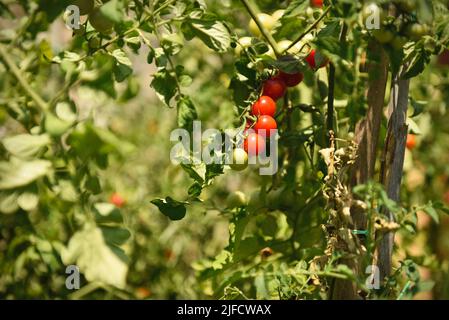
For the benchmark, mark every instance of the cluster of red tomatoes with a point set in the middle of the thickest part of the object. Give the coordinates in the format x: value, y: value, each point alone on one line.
x: 264, y: 109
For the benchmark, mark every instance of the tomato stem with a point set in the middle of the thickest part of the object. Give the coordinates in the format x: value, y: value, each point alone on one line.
x: 310, y: 28
x: 4, y: 55
x: 262, y: 29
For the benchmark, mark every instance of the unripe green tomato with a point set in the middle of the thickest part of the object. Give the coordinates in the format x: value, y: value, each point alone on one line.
x: 239, y: 160
x: 243, y: 43
x: 236, y: 199
x: 297, y: 47
x: 100, y: 22
x: 277, y: 15
x: 416, y: 31
x: 94, y: 43
x: 309, y: 12
x: 284, y: 44
x: 267, y: 22
x: 85, y: 6
x: 383, y: 36
x: 399, y: 42
x: 407, y: 5
x: 430, y: 44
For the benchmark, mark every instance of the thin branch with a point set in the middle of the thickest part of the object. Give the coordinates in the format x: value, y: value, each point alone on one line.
x: 163, y: 6
x: 4, y: 55
x: 262, y: 29
x: 330, y: 99
x: 331, y: 82
x: 310, y: 28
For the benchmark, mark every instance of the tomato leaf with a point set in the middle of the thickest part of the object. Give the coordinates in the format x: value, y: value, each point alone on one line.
x: 173, y: 209
x: 165, y: 86
x: 25, y: 145
x: 186, y: 113
x: 18, y: 173
x: 212, y: 32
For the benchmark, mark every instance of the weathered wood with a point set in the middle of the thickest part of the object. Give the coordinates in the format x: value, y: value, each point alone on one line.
x: 392, y: 166
x: 367, y: 137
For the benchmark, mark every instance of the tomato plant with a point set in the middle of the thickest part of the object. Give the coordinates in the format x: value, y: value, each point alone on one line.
x: 132, y: 147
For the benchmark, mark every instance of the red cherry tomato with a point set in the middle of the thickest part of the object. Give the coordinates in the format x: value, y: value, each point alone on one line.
x: 254, y: 144
x: 264, y: 125
x: 117, y: 200
x: 316, y: 3
x: 411, y: 141
x: 313, y: 57
x: 264, y: 106
x: 274, y: 88
x: 291, y: 79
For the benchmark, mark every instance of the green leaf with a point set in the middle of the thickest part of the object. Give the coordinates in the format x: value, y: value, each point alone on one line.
x: 96, y: 259
x: 288, y: 64
x: 28, y: 201
x: 151, y: 55
x: 417, y: 60
x: 213, y: 170
x: 25, y: 145
x: 18, y: 173
x: 192, y: 173
x: 66, y: 112
x: 54, y: 126
x: 107, y: 213
x: 186, y: 113
x: 296, y: 7
x: 212, y: 32
x: 122, y: 72
x: 115, y: 235
x: 418, y: 106
x: 121, y: 57
x: 113, y: 10
x: 195, y: 190
x: 173, y: 209
x: 430, y: 210
x: 165, y: 86
x: 8, y: 202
